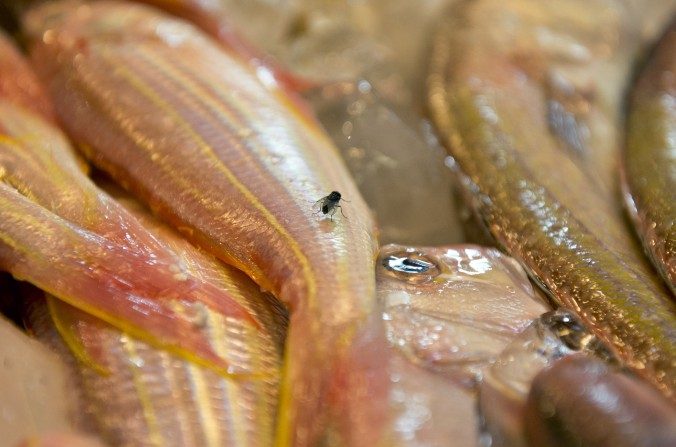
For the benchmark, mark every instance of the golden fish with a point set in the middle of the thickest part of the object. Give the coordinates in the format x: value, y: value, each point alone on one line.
x: 649, y: 160
x: 159, y: 295
x: 234, y: 167
x: 527, y: 96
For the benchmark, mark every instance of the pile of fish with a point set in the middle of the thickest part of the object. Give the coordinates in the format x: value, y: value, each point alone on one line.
x: 300, y: 223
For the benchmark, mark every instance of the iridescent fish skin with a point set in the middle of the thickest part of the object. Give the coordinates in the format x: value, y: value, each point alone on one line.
x: 447, y: 314
x: 193, y: 133
x: 582, y: 401
x: 649, y: 157
x: 59, y: 231
x: 504, y: 388
x: 138, y: 395
x: 453, y: 309
x: 18, y: 83
x: 527, y: 97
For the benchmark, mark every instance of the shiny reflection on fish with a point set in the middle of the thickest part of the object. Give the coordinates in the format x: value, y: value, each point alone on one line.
x: 505, y: 386
x: 447, y: 313
x: 610, y: 408
x: 453, y: 309
x: 410, y: 266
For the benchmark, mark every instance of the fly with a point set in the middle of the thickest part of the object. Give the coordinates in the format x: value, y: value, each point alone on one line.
x: 329, y: 204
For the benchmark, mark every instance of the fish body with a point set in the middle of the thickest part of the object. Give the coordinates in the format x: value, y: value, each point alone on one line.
x: 447, y: 313
x: 503, y: 391
x: 235, y: 167
x: 649, y: 161
x: 170, y: 346
x: 610, y: 408
x: 62, y: 234
x: 18, y: 82
x: 526, y: 96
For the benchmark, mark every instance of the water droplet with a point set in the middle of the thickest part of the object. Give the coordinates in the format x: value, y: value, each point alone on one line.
x: 414, y: 267
x: 364, y: 86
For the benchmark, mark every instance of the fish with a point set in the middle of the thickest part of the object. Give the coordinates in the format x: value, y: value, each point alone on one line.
x: 236, y: 168
x: 171, y: 401
x: 504, y: 388
x: 59, y: 232
x: 526, y: 97
x: 379, y: 139
x: 150, y: 325
x: 610, y: 408
x: 18, y: 82
x: 447, y: 313
x: 649, y: 165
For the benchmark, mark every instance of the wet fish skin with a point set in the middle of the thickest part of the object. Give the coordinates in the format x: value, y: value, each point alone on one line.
x: 236, y: 168
x: 504, y: 387
x: 458, y: 312
x: 552, y: 210
x: 62, y: 234
x: 18, y: 83
x: 582, y: 401
x: 649, y: 174
x: 447, y: 312
x: 138, y: 395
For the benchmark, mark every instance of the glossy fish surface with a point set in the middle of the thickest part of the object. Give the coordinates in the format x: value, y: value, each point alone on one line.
x: 137, y: 395
x: 59, y: 232
x: 649, y: 160
x: 582, y: 401
x: 237, y: 169
x: 527, y: 97
x: 158, y: 294
x: 18, y: 83
x: 453, y: 309
x: 503, y: 391
x: 447, y: 313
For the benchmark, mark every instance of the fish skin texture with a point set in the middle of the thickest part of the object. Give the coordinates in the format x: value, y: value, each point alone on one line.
x: 550, y: 206
x: 649, y: 161
x: 235, y: 167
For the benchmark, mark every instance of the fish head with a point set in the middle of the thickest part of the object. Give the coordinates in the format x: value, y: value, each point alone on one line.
x: 454, y: 309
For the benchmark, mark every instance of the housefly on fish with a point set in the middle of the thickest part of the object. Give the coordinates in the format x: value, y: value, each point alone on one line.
x: 329, y: 204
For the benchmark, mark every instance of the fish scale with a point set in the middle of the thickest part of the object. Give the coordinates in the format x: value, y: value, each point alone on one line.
x: 236, y: 173
x: 489, y: 103
x: 649, y: 164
